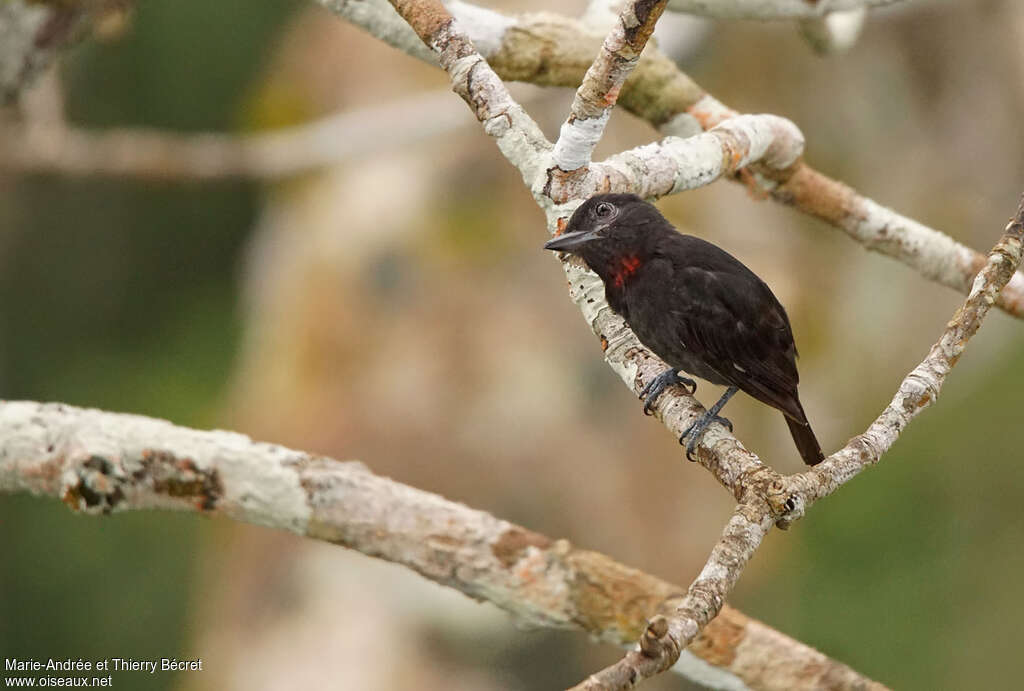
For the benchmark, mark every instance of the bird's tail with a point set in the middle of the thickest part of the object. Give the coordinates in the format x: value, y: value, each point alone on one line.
x: 806, y: 443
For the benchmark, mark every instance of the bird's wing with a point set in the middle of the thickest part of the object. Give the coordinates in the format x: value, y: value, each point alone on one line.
x: 726, y: 314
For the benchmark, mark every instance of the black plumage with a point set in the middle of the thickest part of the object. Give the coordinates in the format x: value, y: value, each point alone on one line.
x: 696, y: 306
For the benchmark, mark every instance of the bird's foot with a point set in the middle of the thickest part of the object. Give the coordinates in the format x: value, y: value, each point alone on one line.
x: 661, y: 382
x: 695, y: 431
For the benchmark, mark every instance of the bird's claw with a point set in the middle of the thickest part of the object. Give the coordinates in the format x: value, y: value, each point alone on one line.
x: 696, y: 431
x: 656, y: 386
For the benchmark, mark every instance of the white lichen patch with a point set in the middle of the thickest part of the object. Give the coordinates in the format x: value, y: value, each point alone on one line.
x: 261, y: 483
x: 935, y: 255
x: 698, y: 160
x: 775, y: 141
x: 577, y: 139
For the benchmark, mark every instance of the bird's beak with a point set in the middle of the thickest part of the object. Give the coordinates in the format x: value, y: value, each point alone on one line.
x: 570, y: 242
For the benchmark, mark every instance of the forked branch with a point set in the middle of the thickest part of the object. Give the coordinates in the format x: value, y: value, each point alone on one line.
x: 765, y: 497
x: 666, y: 636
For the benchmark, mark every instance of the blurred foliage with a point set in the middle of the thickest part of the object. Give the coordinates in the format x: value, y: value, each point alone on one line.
x: 123, y: 296
x: 132, y: 306
x: 183, y: 65
x: 95, y: 589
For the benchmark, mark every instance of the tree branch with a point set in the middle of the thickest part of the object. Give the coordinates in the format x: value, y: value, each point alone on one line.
x: 99, y: 462
x: 597, y: 94
x: 289, y: 151
x: 676, y: 164
x: 920, y: 388
x: 934, y: 255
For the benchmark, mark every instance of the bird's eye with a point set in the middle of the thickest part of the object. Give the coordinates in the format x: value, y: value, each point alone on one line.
x: 604, y: 209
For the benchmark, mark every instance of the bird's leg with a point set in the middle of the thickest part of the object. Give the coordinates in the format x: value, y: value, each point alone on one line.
x: 669, y: 377
x: 696, y: 430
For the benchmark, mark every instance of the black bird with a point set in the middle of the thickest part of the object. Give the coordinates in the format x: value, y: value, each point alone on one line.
x: 695, y: 305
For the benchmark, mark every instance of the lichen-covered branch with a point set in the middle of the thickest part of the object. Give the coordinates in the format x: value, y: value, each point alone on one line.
x: 921, y: 387
x: 99, y: 462
x: 675, y: 164
x: 934, y: 255
x: 597, y: 94
x: 381, y: 20
x: 771, y: 9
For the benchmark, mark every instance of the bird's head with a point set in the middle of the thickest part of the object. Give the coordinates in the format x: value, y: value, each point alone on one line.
x: 608, y: 228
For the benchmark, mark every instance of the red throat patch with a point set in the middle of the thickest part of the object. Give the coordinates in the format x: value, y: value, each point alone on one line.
x: 627, y: 267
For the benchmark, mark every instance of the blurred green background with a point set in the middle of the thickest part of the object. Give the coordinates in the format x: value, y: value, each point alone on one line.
x: 318, y: 311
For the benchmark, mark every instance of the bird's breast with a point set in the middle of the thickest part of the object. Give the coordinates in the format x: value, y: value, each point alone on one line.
x: 623, y: 268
